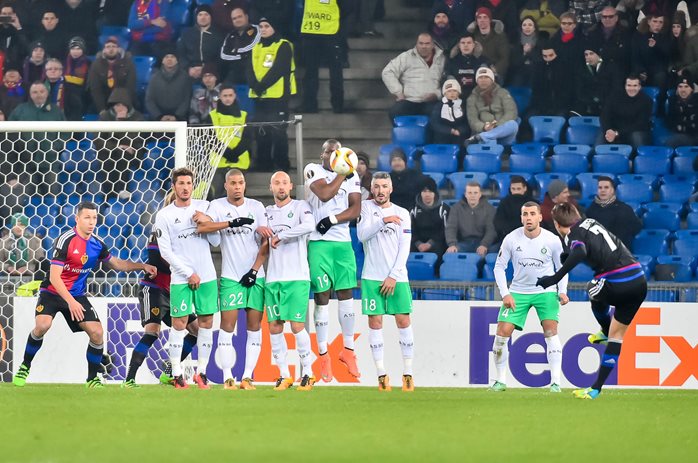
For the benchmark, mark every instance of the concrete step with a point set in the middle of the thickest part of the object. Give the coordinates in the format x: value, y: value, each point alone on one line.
x: 356, y: 103
x: 399, y: 44
x: 355, y: 72
x: 354, y: 89
x: 361, y: 119
x: 409, y: 27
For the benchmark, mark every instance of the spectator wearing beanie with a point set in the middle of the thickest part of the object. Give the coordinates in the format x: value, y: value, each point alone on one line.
x: 199, y: 44
x: 429, y: 217
x: 449, y: 123
x: 508, y: 215
x: 204, y: 99
x: 441, y: 30
x: 363, y: 170
x: 505, y: 11
x: 75, y: 74
x: 682, y: 117
x: 460, y: 12
x: 405, y: 180
x: 79, y: 17
x: 491, y: 111
x: 150, y: 28
x: 557, y: 193
x: 490, y: 35
x: 596, y: 81
x: 33, y: 68
x: 170, y: 79
x: 112, y: 68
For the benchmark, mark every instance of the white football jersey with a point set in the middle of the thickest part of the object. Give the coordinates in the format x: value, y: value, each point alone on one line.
x: 186, y: 251
x: 292, y: 223
x: 239, y: 246
x: 386, y: 245
x: 336, y: 205
x: 531, y: 258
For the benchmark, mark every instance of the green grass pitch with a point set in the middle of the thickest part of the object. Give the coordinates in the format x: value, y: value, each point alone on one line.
x: 68, y: 423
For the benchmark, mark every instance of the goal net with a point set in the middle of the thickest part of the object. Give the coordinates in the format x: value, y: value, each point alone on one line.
x: 124, y: 167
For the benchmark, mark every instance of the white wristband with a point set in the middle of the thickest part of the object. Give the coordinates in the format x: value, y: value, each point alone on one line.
x: 333, y: 220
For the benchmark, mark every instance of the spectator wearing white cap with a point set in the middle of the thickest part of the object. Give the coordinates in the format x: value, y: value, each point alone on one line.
x: 449, y: 123
x: 491, y: 111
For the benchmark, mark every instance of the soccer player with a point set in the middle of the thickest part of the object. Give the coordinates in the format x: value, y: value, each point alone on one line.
x: 619, y: 281
x: 154, y: 302
x: 533, y: 252
x: 193, y: 286
x: 384, y: 229
x: 287, y: 284
x: 335, y: 201
x: 75, y: 253
x: 242, y: 277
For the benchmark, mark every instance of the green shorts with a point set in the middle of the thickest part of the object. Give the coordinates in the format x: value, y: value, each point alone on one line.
x: 234, y: 296
x: 332, y: 265
x: 374, y: 303
x: 287, y: 300
x: 547, y: 306
x: 185, y: 301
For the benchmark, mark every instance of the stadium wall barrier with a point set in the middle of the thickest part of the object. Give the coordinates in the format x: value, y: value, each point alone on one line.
x: 453, y: 342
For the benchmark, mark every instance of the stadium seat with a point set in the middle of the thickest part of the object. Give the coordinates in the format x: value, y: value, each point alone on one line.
x: 662, y: 215
x: 648, y: 179
x: 439, y: 163
x: 410, y: 135
x: 675, y: 192
x: 569, y: 163
x: 521, y: 96
x: 451, y: 202
x: 420, y: 265
x: 647, y: 263
x: 144, y: 69
x: 582, y: 134
x: 546, y: 129
x: 242, y: 96
x: 485, y: 148
x: 625, y: 150
x: 652, y: 150
x: 122, y: 33
x: 544, y: 180
x: 682, y: 165
x: 494, y: 202
x: 438, y: 178
x: 460, y: 179
x: 656, y: 164
x: 460, y: 267
x: 692, y: 220
x: 652, y: 92
x: 582, y: 272
x: 674, y: 268
x: 441, y: 150
x: 690, y: 151
x: 488, y: 269
x: 532, y: 163
x: 680, y: 178
x: 570, y: 148
x: 503, y: 179
x: 488, y: 163
x: 576, y: 121
x: 637, y: 192
x: 614, y: 163
x: 660, y: 132
x: 686, y: 243
x: 403, y: 121
x: 540, y: 149
x: 179, y: 13
x: 652, y: 242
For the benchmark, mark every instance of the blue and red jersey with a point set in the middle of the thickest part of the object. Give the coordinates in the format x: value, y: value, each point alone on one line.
x: 162, y: 279
x: 78, y: 257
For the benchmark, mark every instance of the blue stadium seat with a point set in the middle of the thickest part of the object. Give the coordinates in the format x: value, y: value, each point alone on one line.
x: 569, y: 163
x: 690, y: 151
x: 410, y: 135
x: 532, y: 163
x: 521, y: 96
x: 482, y: 163
x: 637, y: 192
x: 649, y: 179
x: 144, y: 69
x: 625, y: 150
x: 662, y: 215
x: 402, y: 121
x: 488, y: 269
x: 451, y: 202
x: 651, y: 150
x: 439, y: 163
x: 680, y: 178
x: 675, y: 192
x: 652, y: 92
x: 582, y: 134
x: 438, y: 177
x: 614, y: 163
x: 494, y: 202
x: 580, y: 149
x: 660, y: 132
x: 179, y: 13
x: 546, y: 129
x: 647, y: 263
x: 434, y: 294
x: 581, y: 272
x: 459, y: 266
x: 652, y: 164
x: 441, y: 150
x: 242, y: 96
x: 503, y: 179
x: 682, y: 165
x: 420, y: 265
x: 686, y: 243
x: 544, y: 180
x: 122, y: 33
x: 540, y: 149
x: 485, y: 148
x: 652, y: 242
x: 460, y: 179
x: 576, y: 121
x: 674, y: 268
x: 692, y: 220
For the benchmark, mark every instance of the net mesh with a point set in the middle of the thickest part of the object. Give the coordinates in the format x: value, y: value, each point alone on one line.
x: 205, y: 149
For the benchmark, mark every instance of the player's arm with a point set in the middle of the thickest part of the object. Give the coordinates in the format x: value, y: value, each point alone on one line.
x: 176, y: 264
x: 305, y: 226
x: 562, y: 286
x: 367, y: 226
x: 500, y: 273
x: 249, y: 279
x: 403, y: 252
x: 121, y: 265
x: 578, y: 253
x: 212, y: 227
x: 76, y: 309
x: 326, y: 191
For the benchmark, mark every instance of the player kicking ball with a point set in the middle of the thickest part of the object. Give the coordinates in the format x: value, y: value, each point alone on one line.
x: 385, y: 231
x: 237, y: 219
x: 286, y: 290
x: 193, y: 285
x: 533, y: 252
x: 75, y: 254
x: 619, y: 281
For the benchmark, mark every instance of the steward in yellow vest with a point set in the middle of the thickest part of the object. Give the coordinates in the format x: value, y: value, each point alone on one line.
x: 273, y: 69
x: 228, y: 114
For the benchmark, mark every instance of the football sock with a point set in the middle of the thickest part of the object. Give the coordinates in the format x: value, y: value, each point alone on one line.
x: 346, y: 322
x: 204, y: 342
x: 554, y: 350
x: 279, y: 350
x: 140, y: 352
x: 500, y: 348
x: 375, y: 340
x: 176, y: 340
x: 94, y: 359
x: 321, y: 316
x: 33, y: 345
x: 304, y: 352
x: 187, y: 345
x: 603, y: 316
x: 226, y: 353
x: 252, y: 350
x: 608, y: 362
x: 407, y: 348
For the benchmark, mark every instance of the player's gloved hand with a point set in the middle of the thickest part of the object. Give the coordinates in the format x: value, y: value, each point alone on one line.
x: 325, y: 224
x: 240, y: 221
x: 249, y: 279
x: 546, y: 281
x: 350, y: 175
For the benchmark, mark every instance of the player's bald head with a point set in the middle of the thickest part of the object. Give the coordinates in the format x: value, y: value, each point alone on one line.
x: 234, y: 173
x: 280, y: 176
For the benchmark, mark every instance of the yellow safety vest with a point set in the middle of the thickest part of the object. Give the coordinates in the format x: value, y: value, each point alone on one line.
x: 320, y: 17
x: 263, y: 59
x: 224, y: 127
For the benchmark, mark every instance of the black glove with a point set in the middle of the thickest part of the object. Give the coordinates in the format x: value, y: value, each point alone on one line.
x: 258, y: 89
x: 324, y: 225
x: 350, y: 175
x: 230, y: 155
x: 248, y: 280
x: 546, y: 281
x: 563, y: 257
x: 240, y: 221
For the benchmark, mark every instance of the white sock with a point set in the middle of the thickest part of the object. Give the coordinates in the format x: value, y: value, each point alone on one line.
x: 321, y: 317
x: 176, y: 341
x: 252, y: 349
x: 280, y: 351
x: 304, y: 352
x: 500, y: 349
x: 375, y: 340
x: 407, y: 348
x: 554, y: 358
x: 346, y: 321
x: 204, y: 343
x: 226, y: 353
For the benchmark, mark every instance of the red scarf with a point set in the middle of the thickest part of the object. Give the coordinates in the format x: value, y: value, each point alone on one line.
x: 567, y: 37
x: 495, y: 3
